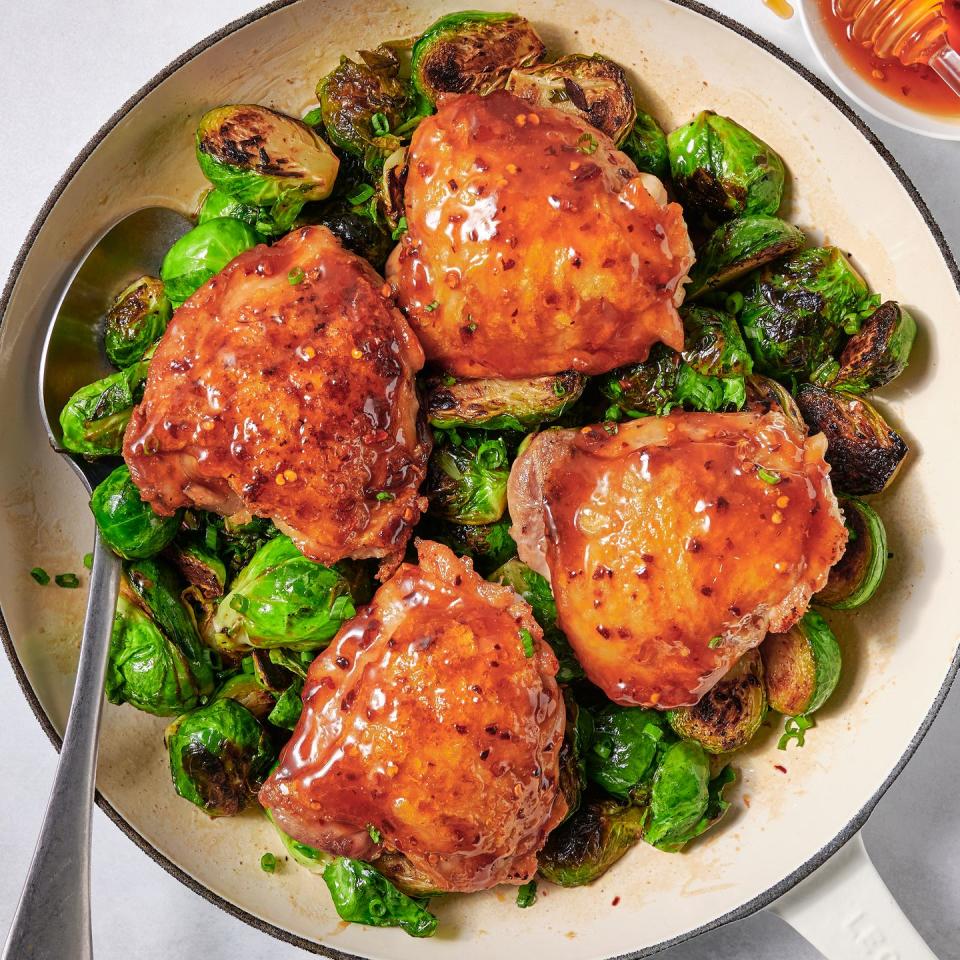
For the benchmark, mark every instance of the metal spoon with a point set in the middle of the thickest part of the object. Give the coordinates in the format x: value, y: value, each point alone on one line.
x: 52, y: 920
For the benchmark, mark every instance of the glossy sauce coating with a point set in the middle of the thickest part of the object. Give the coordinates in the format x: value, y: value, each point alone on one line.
x: 284, y: 388
x: 425, y: 719
x: 669, y: 550
x: 533, y: 246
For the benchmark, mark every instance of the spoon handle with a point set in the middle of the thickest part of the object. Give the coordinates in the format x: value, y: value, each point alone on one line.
x: 52, y: 919
x: 946, y: 61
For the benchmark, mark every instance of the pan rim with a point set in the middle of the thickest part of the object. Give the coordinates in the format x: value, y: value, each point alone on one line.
x: 751, y: 906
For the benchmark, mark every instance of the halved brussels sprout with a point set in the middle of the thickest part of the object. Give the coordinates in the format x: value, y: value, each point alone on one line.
x: 739, y: 246
x: 590, y: 842
x: 796, y: 311
x: 730, y: 713
x: 855, y: 578
x: 646, y: 146
x: 250, y: 693
x: 467, y: 482
x: 471, y: 52
x: 393, y: 182
x: 713, y: 345
x: 863, y: 450
x: 625, y: 744
x: 592, y: 87
x: 218, y: 203
x: 265, y: 159
x: 648, y: 387
x: 95, y: 417
x: 136, y: 319
x: 765, y: 394
x: 310, y: 857
x: 577, y: 738
x: 801, y: 666
x: 362, y: 895
x: 219, y: 755
x: 127, y: 524
x: 721, y: 170
x: 364, y: 105
x: 679, y: 796
x: 199, y: 565
x: 878, y: 353
x: 495, y: 404
x: 282, y: 599
x: 404, y: 875
x: 203, y: 252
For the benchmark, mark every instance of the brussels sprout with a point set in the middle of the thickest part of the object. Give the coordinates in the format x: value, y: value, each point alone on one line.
x: 488, y: 545
x: 802, y: 666
x: 876, y: 355
x: 199, y: 565
x: 573, y: 753
x: 218, y: 203
x: 202, y: 253
x: 721, y: 170
x: 535, y: 589
x: 594, y: 88
x: 310, y: 857
x: 467, y: 483
x: 355, y: 230
x: 495, y: 404
x: 363, y: 106
x: 265, y: 159
x: 393, y: 182
x: 730, y: 713
x: 765, y: 394
x: 647, y: 387
x: 679, y: 794
x: 855, y: 578
x: 362, y: 895
x: 739, y: 246
x: 235, y: 543
x: 127, y: 524
x: 95, y: 417
x: 471, y: 52
x: 646, y: 146
x: 219, y: 755
x: 863, y: 451
x: 146, y: 668
x: 282, y: 599
x: 250, y: 693
x: 404, y: 875
x: 624, y: 746
x: 587, y: 844
x: 137, y: 317
x: 288, y: 707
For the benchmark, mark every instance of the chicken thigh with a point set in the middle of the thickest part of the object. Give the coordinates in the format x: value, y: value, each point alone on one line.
x: 433, y: 716
x: 673, y: 544
x: 533, y: 245
x: 284, y: 388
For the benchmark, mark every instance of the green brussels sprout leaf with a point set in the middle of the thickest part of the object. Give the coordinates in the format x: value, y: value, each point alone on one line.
x: 467, y: 482
x: 679, y: 796
x: 286, y: 713
x: 626, y: 742
x: 646, y: 146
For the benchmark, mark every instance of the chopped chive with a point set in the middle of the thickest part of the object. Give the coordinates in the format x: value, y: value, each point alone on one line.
x: 652, y: 731
x: 88, y: 560
x: 612, y: 412
x: 295, y: 276
x: 239, y: 603
x: 69, y: 581
x: 526, y: 638
x: 587, y: 143
x: 449, y: 381
x: 268, y: 863
x: 734, y: 302
x: 471, y: 327
x: 430, y: 307
x: 385, y: 495
x: 40, y: 575
x: 400, y: 230
x: 769, y: 476
x: 361, y: 195
x: 375, y: 834
x: 313, y: 117
x: 795, y: 728
x: 715, y: 642
x: 559, y: 389
x: 381, y: 124
x: 527, y: 894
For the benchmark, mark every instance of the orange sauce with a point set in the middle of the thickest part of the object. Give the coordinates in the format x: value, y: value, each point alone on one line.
x: 918, y: 86
x: 780, y: 7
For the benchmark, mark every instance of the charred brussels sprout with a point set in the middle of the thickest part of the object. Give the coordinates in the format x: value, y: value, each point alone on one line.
x: 248, y: 690
x: 591, y: 841
x: 496, y: 404
x: 404, y: 875
x: 679, y: 796
x: 362, y: 895
x: 137, y: 317
x: 646, y: 146
x: 573, y: 753
x: 364, y: 105
x: 739, y: 246
x: 471, y: 52
x: 282, y: 599
x: 855, y: 577
x: 96, y: 416
x: 876, y: 355
x: 353, y: 228
x: 765, y: 394
x: 721, y: 170
x: 219, y: 755
x: 647, y: 387
x: 863, y: 450
x: 265, y: 159
x: 594, y: 88
x: 796, y: 311
x: 127, y: 524
x: 625, y: 744
x: 801, y: 666
x: 730, y: 713
x: 467, y: 483
x: 200, y: 566
x: 202, y: 253
x: 489, y: 545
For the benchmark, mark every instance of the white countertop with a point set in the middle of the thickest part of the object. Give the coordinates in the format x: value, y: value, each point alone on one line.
x: 64, y: 68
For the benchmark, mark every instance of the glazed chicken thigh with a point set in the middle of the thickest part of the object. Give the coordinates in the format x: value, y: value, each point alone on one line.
x: 433, y: 716
x: 675, y: 543
x: 533, y: 245
x: 284, y: 388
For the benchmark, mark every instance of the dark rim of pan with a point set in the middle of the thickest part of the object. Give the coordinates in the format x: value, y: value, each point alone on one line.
x: 745, y: 909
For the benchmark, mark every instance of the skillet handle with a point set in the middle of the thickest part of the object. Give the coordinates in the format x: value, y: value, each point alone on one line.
x: 846, y: 911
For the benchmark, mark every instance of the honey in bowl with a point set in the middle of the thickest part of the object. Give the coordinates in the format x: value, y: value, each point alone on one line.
x: 917, y: 86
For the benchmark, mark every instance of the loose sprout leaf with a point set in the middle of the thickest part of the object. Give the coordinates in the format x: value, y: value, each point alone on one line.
x: 286, y: 713
x: 679, y: 796
x: 646, y: 146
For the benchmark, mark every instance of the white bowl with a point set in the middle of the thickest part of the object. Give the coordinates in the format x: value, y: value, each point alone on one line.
x: 863, y: 92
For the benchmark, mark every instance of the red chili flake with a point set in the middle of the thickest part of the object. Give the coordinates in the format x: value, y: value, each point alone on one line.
x: 615, y: 901
x: 780, y: 767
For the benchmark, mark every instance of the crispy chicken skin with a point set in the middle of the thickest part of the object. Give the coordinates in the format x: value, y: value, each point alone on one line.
x: 675, y: 543
x: 533, y: 245
x: 291, y: 400
x: 425, y: 719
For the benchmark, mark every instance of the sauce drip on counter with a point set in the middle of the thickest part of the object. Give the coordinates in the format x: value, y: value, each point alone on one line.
x: 917, y: 87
